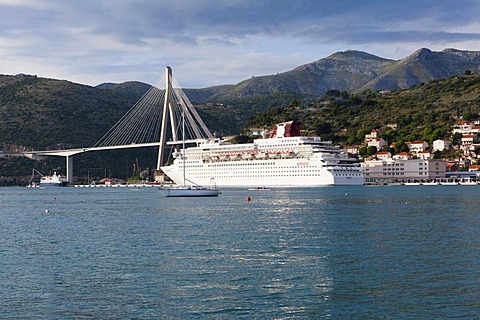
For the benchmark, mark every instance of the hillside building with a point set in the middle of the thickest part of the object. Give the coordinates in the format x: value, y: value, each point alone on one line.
x: 403, y: 156
x: 440, y: 145
x: 463, y: 127
x: 425, y: 155
x: 352, y: 149
x: 379, y: 143
x: 416, y: 147
x: 374, y: 134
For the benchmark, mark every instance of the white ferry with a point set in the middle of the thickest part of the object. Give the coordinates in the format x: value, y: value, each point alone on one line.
x: 53, y: 181
x: 284, y: 159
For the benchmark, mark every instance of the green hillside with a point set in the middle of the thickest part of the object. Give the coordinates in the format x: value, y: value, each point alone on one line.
x: 423, y: 112
x: 40, y: 113
x: 37, y: 113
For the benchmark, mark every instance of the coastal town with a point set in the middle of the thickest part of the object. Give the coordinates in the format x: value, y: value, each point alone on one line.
x: 422, y: 163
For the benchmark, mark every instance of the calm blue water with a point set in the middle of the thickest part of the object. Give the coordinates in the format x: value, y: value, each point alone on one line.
x: 334, y: 252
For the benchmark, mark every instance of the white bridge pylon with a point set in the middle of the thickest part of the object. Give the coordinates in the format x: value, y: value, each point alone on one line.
x: 146, y: 125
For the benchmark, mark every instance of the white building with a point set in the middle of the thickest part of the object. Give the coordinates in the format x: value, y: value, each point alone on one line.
x: 402, y: 156
x: 383, y: 155
x: 376, y: 142
x: 394, y: 170
x: 462, y: 127
x: 417, y: 146
x: 352, y: 149
x: 467, y: 140
x: 475, y: 129
x: 374, y: 134
x: 440, y: 145
x: 425, y: 155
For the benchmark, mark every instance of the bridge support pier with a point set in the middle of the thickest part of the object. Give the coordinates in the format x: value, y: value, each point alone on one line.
x: 69, y: 160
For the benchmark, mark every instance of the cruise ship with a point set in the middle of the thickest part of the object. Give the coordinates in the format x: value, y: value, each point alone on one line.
x: 284, y: 159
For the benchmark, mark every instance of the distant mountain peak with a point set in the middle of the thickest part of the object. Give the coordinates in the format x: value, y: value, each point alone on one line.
x: 354, y: 54
x: 421, y: 54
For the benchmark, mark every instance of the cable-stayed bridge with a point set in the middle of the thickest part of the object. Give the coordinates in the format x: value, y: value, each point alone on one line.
x: 146, y: 125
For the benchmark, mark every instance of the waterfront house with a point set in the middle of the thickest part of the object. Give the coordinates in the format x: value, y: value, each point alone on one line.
x: 390, y: 170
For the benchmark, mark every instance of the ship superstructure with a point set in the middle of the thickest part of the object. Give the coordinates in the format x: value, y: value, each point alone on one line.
x: 281, y: 160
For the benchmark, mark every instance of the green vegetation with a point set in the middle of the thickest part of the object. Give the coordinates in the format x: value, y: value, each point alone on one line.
x: 425, y: 112
x: 37, y: 113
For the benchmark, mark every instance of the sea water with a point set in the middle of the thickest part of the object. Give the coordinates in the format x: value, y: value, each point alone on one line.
x: 397, y: 252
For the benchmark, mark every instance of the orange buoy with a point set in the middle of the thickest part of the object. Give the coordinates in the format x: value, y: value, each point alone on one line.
x: 248, y: 198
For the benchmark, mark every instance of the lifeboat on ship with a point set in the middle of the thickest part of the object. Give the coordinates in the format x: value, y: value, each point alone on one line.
x: 287, y: 154
x: 224, y: 157
x: 274, y: 155
x: 248, y: 156
x: 261, y: 155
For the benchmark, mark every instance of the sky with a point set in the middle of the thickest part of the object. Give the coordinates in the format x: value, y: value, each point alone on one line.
x: 208, y: 42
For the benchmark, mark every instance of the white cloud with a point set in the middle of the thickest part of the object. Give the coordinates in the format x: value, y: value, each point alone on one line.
x: 213, y: 42
x: 36, y: 4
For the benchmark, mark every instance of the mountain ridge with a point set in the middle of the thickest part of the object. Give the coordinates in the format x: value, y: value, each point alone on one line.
x: 352, y: 71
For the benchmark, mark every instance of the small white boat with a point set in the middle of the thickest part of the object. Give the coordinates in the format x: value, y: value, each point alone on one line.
x: 412, y: 183
x: 259, y: 189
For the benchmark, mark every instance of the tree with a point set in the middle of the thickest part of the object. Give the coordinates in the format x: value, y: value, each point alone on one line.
x: 437, y: 154
x: 361, y: 133
x: 477, y: 151
x: 362, y: 151
x: 456, y: 138
x: 323, y: 128
x: 400, y: 146
x: 371, y: 150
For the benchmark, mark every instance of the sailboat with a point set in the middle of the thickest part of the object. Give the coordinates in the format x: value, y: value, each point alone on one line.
x: 192, y: 190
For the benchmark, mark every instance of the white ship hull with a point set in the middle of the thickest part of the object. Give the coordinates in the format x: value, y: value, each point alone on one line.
x: 53, y: 184
x: 290, y: 175
x: 189, y: 191
x: 304, y: 169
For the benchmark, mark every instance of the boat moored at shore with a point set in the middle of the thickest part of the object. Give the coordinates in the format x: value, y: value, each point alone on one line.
x: 54, y: 180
